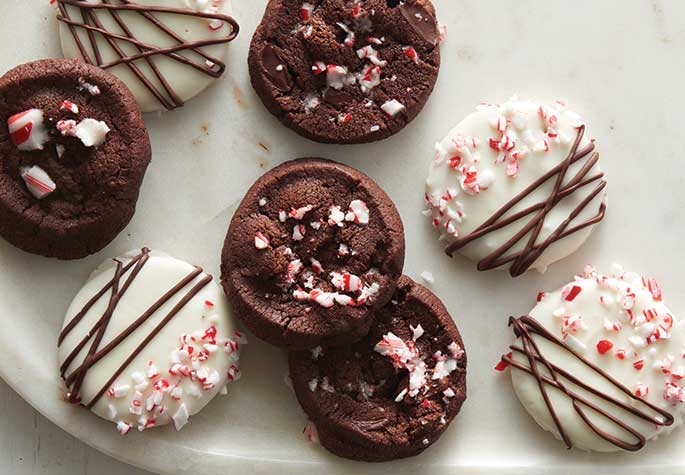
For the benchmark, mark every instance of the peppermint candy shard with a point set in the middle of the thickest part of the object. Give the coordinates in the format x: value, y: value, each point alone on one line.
x: 27, y: 130
x: 38, y: 181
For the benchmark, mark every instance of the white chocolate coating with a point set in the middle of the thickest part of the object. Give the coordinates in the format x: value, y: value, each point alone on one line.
x: 534, y: 145
x: 184, y: 80
x: 605, y: 305
x: 185, y: 395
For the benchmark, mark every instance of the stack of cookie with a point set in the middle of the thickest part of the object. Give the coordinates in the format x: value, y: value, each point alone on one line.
x: 312, y: 262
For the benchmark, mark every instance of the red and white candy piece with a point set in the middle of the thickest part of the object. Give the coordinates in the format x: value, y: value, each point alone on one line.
x: 27, y: 130
x: 38, y: 181
x: 392, y: 107
x: 338, y: 77
x: 123, y: 428
x: 336, y: 217
x: 370, y: 53
x: 69, y: 106
x: 306, y: 11
x: 298, y: 232
x: 299, y: 213
x: 261, y: 241
x: 318, y: 68
x: 346, y: 282
x: 90, y: 131
x: 641, y: 390
x: 358, y: 212
x: 411, y: 53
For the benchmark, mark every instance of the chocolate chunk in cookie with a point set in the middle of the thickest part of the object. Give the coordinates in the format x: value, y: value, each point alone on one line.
x: 343, y: 71
x: 314, y: 249
x: 392, y: 394
x: 73, y: 153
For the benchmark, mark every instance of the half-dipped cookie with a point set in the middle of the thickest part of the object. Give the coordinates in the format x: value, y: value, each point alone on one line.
x: 340, y: 71
x: 313, y: 250
x: 73, y: 153
x: 392, y: 394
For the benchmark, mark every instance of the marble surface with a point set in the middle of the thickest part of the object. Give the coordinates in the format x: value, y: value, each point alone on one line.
x: 32, y: 445
x: 619, y: 62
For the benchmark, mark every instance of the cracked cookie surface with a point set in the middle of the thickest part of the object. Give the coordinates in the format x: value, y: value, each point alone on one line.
x: 313, y: 250
x: 392, y: 394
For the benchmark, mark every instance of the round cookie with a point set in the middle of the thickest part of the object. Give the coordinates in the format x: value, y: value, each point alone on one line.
x: 600, y: 363
x: 166, y: 51
x: 148, y: 341
x: 74, y: 150
x: 313, y: 250
x: 392, y: 394
x: 516, y: 186
x: 340, y: 71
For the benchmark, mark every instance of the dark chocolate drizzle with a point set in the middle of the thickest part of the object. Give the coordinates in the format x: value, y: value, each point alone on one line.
x: 90, y: 22
x: 525, y: 328
x: 523, y: 260
x: 74, y: 380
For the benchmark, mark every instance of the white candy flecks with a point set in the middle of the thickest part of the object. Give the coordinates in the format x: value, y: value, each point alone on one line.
x: 338, y: 77
x: 392, y: 107
x: 91, y: 132
x: 405, y: 355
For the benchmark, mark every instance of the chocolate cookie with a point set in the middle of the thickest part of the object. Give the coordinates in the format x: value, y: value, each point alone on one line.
x: 73, y: 153
x: 392, y: 394
x: 314, y: 249
x: 342, y: 71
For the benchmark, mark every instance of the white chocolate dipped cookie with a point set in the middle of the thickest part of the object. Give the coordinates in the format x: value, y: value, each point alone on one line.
x: 516, y: 186
x: 600, y: 362
x: 166, y: 51
x: 148, y: 341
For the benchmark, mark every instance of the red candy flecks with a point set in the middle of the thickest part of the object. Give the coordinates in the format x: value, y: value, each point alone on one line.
x: 570, y: 293
x: 503, y: 365
x: 604, y: 346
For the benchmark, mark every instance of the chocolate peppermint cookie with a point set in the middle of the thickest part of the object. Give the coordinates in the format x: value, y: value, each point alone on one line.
x: 73, y: 153
x: 313, y: 251
x: 342, y: 71
x: 392, y: 394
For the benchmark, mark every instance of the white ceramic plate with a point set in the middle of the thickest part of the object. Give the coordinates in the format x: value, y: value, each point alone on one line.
x: 619, y: 62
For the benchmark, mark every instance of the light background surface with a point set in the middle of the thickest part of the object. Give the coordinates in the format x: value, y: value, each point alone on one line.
x: 618, y: 62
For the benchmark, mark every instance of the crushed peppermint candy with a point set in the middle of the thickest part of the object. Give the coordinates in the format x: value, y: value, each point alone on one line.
x: 83, y: 85
x: 90, y: 131
x: 337, y: 77
x: 27, y: 130
x: 306, y: 11
x: 392, y: 107
x: 69, y: 106
x: 261, y: 241
x: 405, y: 355
x: 38, y: 182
